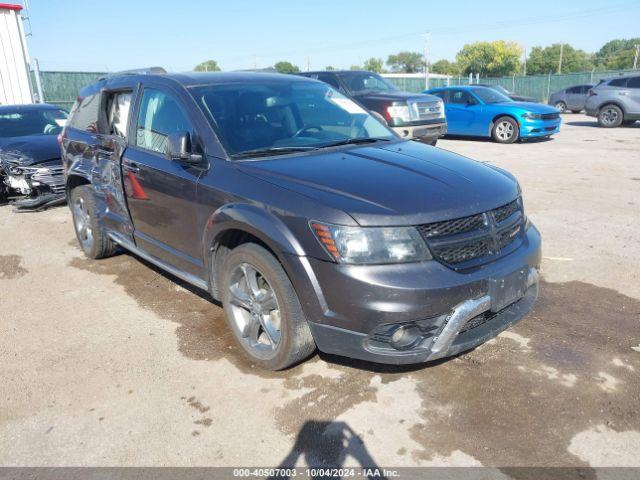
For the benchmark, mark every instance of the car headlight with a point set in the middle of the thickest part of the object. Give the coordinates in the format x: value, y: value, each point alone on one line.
x: 399, y: 112
x: 441, y: 108
x: 532, y: 116
x: 371, y: 245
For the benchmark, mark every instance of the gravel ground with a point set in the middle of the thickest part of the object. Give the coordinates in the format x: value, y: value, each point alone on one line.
x: 114, y: 363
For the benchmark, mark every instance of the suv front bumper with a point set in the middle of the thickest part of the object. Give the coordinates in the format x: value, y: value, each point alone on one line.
x: 430, y: 131
x: 351, y: 309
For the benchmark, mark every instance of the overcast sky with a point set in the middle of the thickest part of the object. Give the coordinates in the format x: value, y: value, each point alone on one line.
x: 119, y: 34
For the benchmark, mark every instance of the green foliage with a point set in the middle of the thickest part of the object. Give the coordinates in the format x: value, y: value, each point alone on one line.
x: 355, y: 67
x: 617, y: 54
x: 545, y: 60
x: 208, y: 66
x: 286, y: 67
x: 374, y: 65
x: 444, y: 67
x: 489, y: 59
x: 329, y: 68
x: 406, y: 62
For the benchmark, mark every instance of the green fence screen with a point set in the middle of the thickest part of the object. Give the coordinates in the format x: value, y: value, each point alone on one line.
x: 536, y: 86
x: 61, y: 88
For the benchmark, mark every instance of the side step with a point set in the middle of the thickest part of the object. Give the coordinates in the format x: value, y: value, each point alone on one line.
x: 187, y: 277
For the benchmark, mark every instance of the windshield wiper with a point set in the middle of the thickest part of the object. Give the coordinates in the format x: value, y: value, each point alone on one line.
x: 356, y: 141
x: 265, y: 152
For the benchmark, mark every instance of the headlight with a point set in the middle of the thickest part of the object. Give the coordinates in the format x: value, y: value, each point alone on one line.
x: 441, y: 107
x: 399, y: 112
x: 532, y: 116
x: 371, y: 244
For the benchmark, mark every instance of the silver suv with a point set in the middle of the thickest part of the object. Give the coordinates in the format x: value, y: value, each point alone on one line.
x: 615, y: 101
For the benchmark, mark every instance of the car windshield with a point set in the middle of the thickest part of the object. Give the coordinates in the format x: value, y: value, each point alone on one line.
x: 500, y: 89
x: 362, y: 82
x: 489, y: 95
x: 26, y: 122
x: 278, y: 117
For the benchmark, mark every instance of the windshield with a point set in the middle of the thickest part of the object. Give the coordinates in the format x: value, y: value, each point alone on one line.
x: 488, y: 95
x: 500, y: 89
x: 249, y: 117
x: 24, y: 122
x: 361, y: 82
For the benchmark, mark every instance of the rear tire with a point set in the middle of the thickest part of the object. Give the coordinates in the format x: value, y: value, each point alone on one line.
x: 262, y: 308
x: 505, y: 130
x: 92, y: 238
x: 610, y: 116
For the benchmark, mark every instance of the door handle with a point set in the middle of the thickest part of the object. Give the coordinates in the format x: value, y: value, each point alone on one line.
x: 131, y: 167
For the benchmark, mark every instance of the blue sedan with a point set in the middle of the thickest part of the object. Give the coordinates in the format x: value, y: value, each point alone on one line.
x: 484, y: 112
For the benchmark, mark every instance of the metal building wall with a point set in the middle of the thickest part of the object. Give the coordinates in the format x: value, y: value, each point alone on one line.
x: 14, y: 74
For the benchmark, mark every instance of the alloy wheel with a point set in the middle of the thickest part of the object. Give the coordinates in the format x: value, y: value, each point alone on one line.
x: 505, y: 130
x: 609, y: 116
x: 82, y: 222
x: 255, y: 311
x: 560, y: 107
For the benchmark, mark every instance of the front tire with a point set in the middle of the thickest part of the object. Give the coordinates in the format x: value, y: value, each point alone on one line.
x: 262, y: 308
x: 505, y: 130
x: 92, y: 238
x: 561, y: 107
x: 610, y: 116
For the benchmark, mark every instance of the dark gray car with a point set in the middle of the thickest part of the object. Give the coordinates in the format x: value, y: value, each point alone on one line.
x: 615, y: 101
x: 570, y: 99
x: 311, y: 221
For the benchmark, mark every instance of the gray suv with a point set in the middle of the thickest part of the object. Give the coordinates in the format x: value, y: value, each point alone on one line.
x: 308, y: 218
x: 615, y: 101
x: 571, y: 98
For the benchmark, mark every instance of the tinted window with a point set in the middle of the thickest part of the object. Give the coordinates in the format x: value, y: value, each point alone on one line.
x: 283, y: 115
x: 618, y: 82
x: 119, y: 106
x: 21, y: 123
x: 585, y: 88
x: 488, y: 95
x: 160, y: 116
x: 443, y: 94
x: 459, y: 96
x: 330, y: 79
x: 367, y: 82
x: 634, y: 82
x: 574, y: 90
x: 84, y: 115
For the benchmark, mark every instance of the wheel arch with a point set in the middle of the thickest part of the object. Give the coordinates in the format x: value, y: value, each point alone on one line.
x: 612, y: 102
x: 500, y: 115
x: 73, y: 181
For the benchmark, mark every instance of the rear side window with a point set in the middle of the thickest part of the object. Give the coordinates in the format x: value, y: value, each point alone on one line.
x: 634, y: 82
x: 118, y: 113
x: 574, y: 90
x: 618, y: 82
x: 84, y: 115
x: 443, y: 94
x: 160, y: 116
x: 330, y: 79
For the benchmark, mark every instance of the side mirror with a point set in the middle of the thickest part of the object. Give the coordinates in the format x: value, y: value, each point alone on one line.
x: 178, y: 149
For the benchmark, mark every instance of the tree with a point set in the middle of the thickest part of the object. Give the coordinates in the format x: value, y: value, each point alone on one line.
x: 286, y: 67
x: 406, y: 62
x: 374, y: 65
x: 489, y: 59
x: 355, y: 67
x: 444, y: 67
x: 329, y: 68
x: 208, y: 66
x: 546, y: 60
x: 617, y: 54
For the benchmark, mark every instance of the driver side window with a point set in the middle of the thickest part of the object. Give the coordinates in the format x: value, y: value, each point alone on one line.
x: 460, y: 97
x: 159, y: 116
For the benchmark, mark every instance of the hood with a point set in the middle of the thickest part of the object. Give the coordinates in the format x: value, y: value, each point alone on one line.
x: 403, y: 183
x: 522, y: 98
x: 33, y: 149
x: 527, y: 106
x: 397, y: 96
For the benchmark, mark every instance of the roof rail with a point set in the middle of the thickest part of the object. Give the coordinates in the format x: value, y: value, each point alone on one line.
x: 135, y: 71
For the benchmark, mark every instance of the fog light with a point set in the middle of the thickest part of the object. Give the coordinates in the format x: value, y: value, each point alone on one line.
x: 405, y: 337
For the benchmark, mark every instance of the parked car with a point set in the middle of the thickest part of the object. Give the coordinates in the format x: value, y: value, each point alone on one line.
x: 485, y: 112
x: 512, y: 95
x: 30, y: 163
x: 310, y: 220
x: 410, y: 115
x: 571, y: 98
x: 615, y: 101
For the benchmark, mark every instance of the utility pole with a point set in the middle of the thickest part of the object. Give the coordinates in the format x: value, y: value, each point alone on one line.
x: 635, y: 59
x: 560, y: 62
x: 308, y: 63
x: 426, y: 61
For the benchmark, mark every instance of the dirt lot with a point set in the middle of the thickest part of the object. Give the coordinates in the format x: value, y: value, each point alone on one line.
x: 113, y: 363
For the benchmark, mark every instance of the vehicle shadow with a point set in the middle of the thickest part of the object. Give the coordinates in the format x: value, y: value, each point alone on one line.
x: 490, y: 140
x: 594, y: 123
x: 325, y: 445
x: 382, y: 367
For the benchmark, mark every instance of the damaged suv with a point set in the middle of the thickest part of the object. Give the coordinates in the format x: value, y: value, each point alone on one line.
x: 311, y: 221
x: 30, y: 164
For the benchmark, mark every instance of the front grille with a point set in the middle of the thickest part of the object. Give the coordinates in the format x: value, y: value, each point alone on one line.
x: 550, y: 116
x: 426, y: 110
x: 476, y: 239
